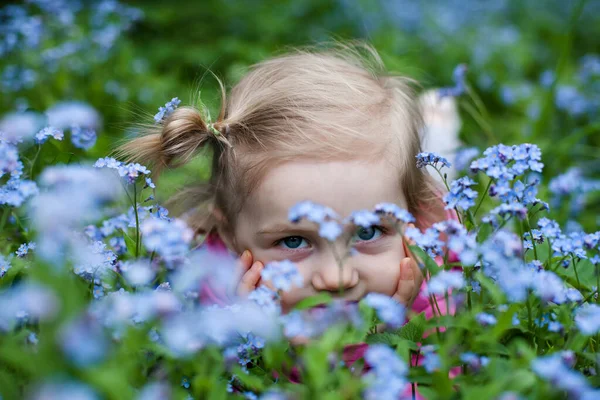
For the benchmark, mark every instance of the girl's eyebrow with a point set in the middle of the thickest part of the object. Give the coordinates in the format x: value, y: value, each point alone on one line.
x: 282, y: 228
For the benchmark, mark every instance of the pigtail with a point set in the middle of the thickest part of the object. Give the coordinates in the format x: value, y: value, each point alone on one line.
x: 173, y: 142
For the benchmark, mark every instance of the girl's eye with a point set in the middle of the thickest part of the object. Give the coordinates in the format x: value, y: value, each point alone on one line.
x: 367, y: 234
x: 293, y: 242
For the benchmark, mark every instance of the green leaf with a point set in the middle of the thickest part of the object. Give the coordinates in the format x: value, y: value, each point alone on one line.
x: 130, y: 244
x: 414, y: 329
x: 312, y: 301
x: 251, y: 381
x: 425, y: 261
x: 387, y: 338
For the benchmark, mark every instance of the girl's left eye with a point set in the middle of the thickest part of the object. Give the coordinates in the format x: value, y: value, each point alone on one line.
x: 293, y: 242
x: 367, y: 234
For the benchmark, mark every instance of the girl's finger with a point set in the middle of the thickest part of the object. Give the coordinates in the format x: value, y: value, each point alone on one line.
x: 418, y: 278
x: 250, y: 279
x: 246, y: 260
x: 406, y: 283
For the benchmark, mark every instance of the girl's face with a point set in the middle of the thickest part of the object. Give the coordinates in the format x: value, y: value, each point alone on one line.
x: 345, y: 186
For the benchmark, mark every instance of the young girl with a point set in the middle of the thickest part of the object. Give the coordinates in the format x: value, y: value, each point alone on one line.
x: 327, y: 126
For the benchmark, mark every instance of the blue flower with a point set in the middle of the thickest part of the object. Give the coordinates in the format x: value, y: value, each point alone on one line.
x: 503, y: 162
x: 387, y: 377
x: 587, y: 319
x: 464, y: 156
x: 129, y: 171
x: 459, y: 78
x: 168, y: 109
x: 445, y: 281
x: 554, y: 368
x: 47, y: 132
x: 396, y: 212
x: 364, y: 218
x: 265, y: 298
x: 250, y: 348
x: 132, y: 171
x: 330, y: 230
x: 169, y: 239
x: 4, y: 266
x: 485, y: 319
x: 474, y: 361
x: 388, y: 310
x: 23, y: 249
x: 282, y: 274
x: 310, y: 211
x: 9, y: 161
x: 83, y: 341
x: 16, y: 191
x: 429, y: 241
x: 548, y: 228
x: 460, y: 194
x: 83, y: 138
x: 138, y: 273
x: 66, y: 390
x: 511, y: 210
x: 432, y: 159
x: 65, y: 115
x: 431, y: 360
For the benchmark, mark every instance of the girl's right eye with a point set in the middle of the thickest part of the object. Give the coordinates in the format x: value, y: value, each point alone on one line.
x: 292, y: 242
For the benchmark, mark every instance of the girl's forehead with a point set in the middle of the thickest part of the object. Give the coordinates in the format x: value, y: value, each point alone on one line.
x: 345, y: 186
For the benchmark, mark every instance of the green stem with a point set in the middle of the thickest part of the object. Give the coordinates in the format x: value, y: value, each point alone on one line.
x: 485, y: 126
x: 34, y: 160
x: 477, y: 101
x: 137, y: 222
x: 535, y: 254
x: 576, y: 274
x: 483, y: 196
x: 529, y: 314
x: 5, y: 214
x: 597, y: 284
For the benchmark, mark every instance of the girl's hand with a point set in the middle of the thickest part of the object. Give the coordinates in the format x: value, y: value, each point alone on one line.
x: 250, y: 274
x: 410, y: 280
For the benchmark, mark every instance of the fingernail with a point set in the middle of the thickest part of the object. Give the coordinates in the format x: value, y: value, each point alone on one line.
x: 245, y: 254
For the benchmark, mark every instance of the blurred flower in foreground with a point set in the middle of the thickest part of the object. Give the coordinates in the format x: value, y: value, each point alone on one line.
x: 73, y: 195
x: 556, y: 369
x: 282, y: 274
x: 64, y: 390
x: 155, y: 391
x: 587, y: 319
x: 20, y: 126
x: 80, y: 118
x: 26, y: 302
x: 387, y: 377
x: 169, y: 239
x: 388, y: 310
x: 83, y: 341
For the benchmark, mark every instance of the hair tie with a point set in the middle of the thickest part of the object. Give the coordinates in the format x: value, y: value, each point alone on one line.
x: 211, y: 128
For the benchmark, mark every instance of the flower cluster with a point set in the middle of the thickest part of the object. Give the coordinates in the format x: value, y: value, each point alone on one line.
x: 388, y: 310
x: 282, y: 274
x: 460, y: 194
x: 432, y: 159
x: 168, y: 109
x: 130, y: 172
x: 387, y: 378
x: 169, y: 239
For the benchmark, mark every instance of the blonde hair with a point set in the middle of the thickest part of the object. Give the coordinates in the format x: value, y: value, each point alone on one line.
x: 327, y: 104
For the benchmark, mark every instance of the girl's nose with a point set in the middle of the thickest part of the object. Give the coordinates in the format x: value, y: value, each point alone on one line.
x: 328, y: 277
